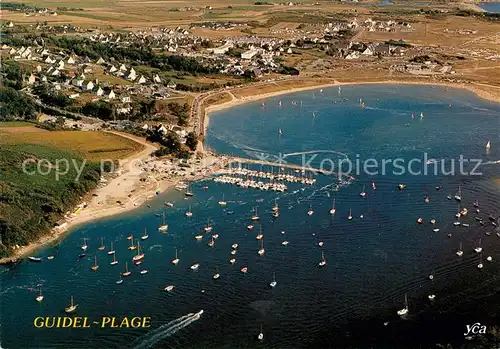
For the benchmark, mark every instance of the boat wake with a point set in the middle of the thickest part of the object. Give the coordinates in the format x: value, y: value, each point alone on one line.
x: 164, y: 331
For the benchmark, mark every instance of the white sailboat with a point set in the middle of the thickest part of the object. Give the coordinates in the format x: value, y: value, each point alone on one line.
x: 460, y: 252
x: 119, y: 281
x: 114, y: 262
x: 102, y: 247
x: 273, y: 283
x: 176, y: 259
x: 188, y: 192
x: 84, y: 245
x: 350, y: 215
x: 405, y: 310
x: 216, y: 275
x: 259, y: 235
x: 458, y: 195
x: 261, y: 334
x: 480, y: 265
x: 333, y: 210
x: 39, y: 298
x: 195, y: 266
x: 139, y: 255
x: 189, y: 213
x: 208, y: 228
x: 95, y: 266
x: 322, y: 263
x: 145, y: 236
x: 111, y: 250
x: 211, y: 243
x: 163, y: 227
x: 363, y: 193
x: 488, y: 146
x: 262, y: 250
x: 255, y: 216
x: 71, y: 307
x: 126, y: 272
x: 478, y: 249
x: 310, y: 212
x: 223, y: 202
x: 169, y: 288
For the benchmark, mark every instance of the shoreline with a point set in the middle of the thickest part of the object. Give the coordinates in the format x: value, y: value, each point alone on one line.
x: 242, y: 100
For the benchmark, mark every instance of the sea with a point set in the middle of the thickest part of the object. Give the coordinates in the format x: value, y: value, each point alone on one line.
x: 493, y: 7
x: 373, y: 260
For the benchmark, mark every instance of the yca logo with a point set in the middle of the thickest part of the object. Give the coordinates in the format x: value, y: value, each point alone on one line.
x: 476, y: 328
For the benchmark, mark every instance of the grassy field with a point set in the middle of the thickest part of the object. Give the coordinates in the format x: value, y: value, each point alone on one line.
x: 92, y: 145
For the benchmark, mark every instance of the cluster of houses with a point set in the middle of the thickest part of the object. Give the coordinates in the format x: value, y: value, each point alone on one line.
x: 426, y: 68
x: 218, y: 25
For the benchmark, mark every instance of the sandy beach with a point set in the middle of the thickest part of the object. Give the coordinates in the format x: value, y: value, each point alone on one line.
x: 130, y: 189
x: 475, y: 88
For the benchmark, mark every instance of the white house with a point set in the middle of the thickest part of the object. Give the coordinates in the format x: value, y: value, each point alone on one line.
x: 112, y: 69
x: 132, y: 74
x: 223, y: 49
x: 61, y: 64
x: 171, y: 84
x: 142, y: 79
x: 123, y: 68
x: 352, y: 55
x: 157, y: 79
x: 249, y: 54
x: 31, y: 79
x: 111, y: 95
x: 56, y: 72
x: 126, y: 99
x: 99, y: 92
x: 89, y: 86
x: 100, y: 61
x: 39, y: 68
x: 74, y: 95
x: 71, y: 60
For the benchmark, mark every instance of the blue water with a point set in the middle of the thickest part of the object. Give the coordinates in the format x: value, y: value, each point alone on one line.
x: 372, y: 261
x: 493, y: 7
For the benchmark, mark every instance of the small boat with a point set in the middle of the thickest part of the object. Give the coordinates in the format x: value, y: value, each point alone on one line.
x: 261, y: 335
x: 488, y: 146
x: 431, y: 297
x: 95, y: 266
x: 139, y: 254
x: 262, y: 250
x: 464, y: 212
x: 401, y: 186
x: 273, y: 283
x: 480, y: 265
x: 487, y: 233
x: 374, y: 187
x: 232, y: 260
x: 234, y: 246
x: 169, y: 288
x: 208, y: 227
x: 195, y: 266
x: 255, y: 217
x: 111, y: 250
x: 216, y: 275
x: 84, y: 245
x: 420, y: 220
x: 433, y: 221
x: 284, y: 243
x: 176, y: 259
x: 126, y: 272
x: 275, y: 207
x: 405, y: 310
x: 169, y: 204
x: 427, y: 199
x: 460, y: 252
x: 322, y: 263
x: 244, y: 270
x: 50, y: 258
x: 163, y: 227
x: 189, y: 213
x: 250, y: 227
x: 223, y: 202
x: 34, y: 259
x: 198, y: 237
x: 145, y: 236
x: 130, y: 237
x: 478, y: 218
x: 188, y: 192
x: 435, y: 230
x: 439, y: 187
x: 101, y: 248
x: 82, y: 255
x: 478, y: 249
x: 489, y: 259
x: 276, y: 214
x: 449, y: 197
x: 119, y: 281
x: 458, y: 195
x: 114, y: 262
x: 211, y: 243
x: 144, y: 271
x: 333, y: 210
x: 431, y: 277
x: 71, y: 307
x: 259, y: 235
x: 350, y: 215
x: 363, y: 193
x: 475, y: 203
x: 457, y: 223
x: 421, y: 116
x: 310, y: 212
x: 465, y: 225
x: 233, y: 252
x: 39, y: 298
x: 139, y: 262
